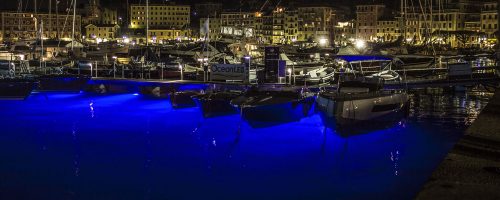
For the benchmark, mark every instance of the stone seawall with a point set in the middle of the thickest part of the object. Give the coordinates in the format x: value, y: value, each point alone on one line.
x: 472, y: 168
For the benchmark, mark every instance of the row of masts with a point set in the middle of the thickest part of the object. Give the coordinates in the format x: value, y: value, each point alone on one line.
x: 35, y: 10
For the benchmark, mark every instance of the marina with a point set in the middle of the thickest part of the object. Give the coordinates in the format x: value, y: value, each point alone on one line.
x: 249, y: 100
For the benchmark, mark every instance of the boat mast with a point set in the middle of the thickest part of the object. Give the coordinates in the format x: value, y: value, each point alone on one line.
x: 74, y: 20
x: 403, y: 21
x: 57, y: 19
x: 147, y: 23
x: 50, y: 18
x: 498, y: 32
x: 41, y: 42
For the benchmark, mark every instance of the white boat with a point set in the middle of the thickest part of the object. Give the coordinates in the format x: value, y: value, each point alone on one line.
x: 362, y: 100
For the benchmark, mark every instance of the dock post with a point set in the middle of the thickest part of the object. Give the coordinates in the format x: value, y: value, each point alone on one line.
x: 114, y: 69
x: 123, y: 71
x: 96, y: 71
x: 161, y: 68
x: 182, y: 74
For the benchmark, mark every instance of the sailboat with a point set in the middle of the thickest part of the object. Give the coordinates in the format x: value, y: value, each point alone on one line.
x: 55, y: 78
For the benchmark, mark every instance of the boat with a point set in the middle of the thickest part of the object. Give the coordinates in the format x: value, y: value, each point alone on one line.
x: 217, y: 103
x: 62, y: 82
x: 263, y: 107
x: 13, y: 87
x: 390, y: 66
x: 182, y: 99
x: 362, y: 100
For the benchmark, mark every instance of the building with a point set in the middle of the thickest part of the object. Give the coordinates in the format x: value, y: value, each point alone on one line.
x: 284, y: 26
x: 367, y: 17
x: 315, y: 23
x: 239, y: 24
x: 344, y: 32
x: 214, y: 27
x: 489, y: 19
x: 166, y: 16
x: 101, y: 32
x: 17, y: 25
x: 161, y: 36
x: 91, y: 13
x: 388, y: 30
x: 108, y: 16
x: 279, y: 27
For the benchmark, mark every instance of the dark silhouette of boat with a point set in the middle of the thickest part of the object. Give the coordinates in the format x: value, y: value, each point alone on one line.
x: 16, y: 88
x: 264, y: 107
x: 62, y: 82
x: 182, y: 99
x: 215, y: 104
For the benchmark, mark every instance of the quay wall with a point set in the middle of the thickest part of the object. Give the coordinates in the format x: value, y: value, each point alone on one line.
x: 472, y: 169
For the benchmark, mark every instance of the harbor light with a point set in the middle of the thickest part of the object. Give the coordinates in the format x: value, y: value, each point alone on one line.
x: 323, y: 41
x: 360, y: 44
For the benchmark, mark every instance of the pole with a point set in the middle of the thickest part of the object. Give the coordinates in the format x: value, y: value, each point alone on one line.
x: 182, y: 74
x: 162, y: 65
x: 498, y: 32
x: 74, y: 20
x: 147, y: 23
x: 50, y: 18
x: 57, y: 19
x: 41, y: 41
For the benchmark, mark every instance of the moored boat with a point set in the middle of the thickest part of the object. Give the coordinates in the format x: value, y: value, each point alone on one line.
x: 362, y: 102
x: 16, y: 88
x: 263, y: 107
x: 62, y: 82
x: 215, y: 104
x: 182, y: 99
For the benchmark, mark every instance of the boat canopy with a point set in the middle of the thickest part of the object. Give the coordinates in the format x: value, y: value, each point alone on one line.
x: 363, y: 58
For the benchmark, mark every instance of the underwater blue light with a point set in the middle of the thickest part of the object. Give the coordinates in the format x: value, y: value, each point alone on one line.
x: 125, y: 147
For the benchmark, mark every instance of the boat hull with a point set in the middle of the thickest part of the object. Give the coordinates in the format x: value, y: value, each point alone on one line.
x: 12, y: 89
x: 364, y: 109
x: 183, y: 99
x: 216, y: 107
x: 66, y: 83
x: 275, y: 114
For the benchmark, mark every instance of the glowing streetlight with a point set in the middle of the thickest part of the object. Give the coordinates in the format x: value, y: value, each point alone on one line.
x: 323, y: 41
x: 360, y: 44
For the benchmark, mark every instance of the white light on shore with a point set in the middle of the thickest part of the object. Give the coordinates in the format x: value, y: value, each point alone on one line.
x: 360, y: 44
x: 323, y: 41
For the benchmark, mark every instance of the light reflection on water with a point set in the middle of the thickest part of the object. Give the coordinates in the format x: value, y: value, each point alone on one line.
x: 58, y: 146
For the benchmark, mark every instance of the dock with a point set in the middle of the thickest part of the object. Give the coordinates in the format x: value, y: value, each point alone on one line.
x: 472, y: 168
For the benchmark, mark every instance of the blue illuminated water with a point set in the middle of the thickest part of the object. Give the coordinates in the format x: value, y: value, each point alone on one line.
x: 80, y: 146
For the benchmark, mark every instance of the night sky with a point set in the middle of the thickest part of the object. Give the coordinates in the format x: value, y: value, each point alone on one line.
x: 28, y: 4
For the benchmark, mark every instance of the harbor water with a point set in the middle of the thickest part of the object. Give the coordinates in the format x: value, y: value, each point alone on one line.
x: 127, y: 146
